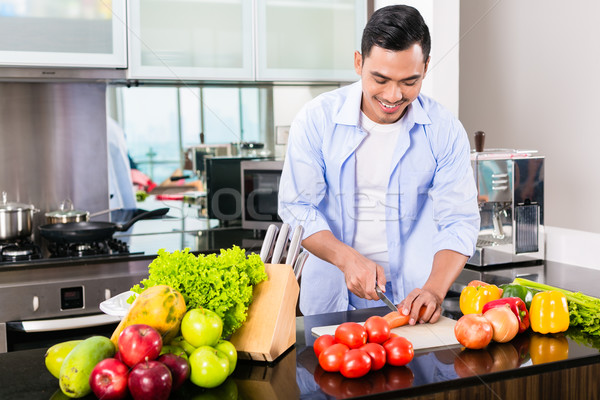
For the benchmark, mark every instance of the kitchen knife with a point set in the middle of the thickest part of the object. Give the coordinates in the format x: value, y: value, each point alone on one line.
x: 299, y: 264
x: 267, y: 246
x: 280, y: 244
x: 385, y: 299
x: 294, y: 245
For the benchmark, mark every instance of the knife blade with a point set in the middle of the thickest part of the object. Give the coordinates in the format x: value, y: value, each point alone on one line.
x: 385, y: 299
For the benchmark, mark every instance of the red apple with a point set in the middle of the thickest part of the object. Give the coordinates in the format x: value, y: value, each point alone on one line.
x: 179, y: 367
x: 108, y: 379
x: 139, y: 342
x: 150, y: 380
x: 118, y: 356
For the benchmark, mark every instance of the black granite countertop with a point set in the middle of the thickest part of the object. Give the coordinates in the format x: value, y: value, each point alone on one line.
x: 526, y: 367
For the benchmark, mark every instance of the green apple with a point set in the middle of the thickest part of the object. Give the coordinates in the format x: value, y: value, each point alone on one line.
x: 210, y: 367
x: 172, y: 349
x: 229, y: 349
x: 179, y: 341
x: 201, y: 327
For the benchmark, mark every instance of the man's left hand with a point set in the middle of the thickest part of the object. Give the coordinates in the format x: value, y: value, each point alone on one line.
x: 417, y: 299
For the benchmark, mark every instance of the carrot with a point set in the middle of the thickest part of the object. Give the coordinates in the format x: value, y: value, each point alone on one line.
x: 396, y: 318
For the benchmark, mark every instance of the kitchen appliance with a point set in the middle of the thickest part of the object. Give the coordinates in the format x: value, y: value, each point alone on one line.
x: 62, y: 294
x: 259, y: 192
x: 62, y: 287
x: 223, y: 189
x: 510, y: 192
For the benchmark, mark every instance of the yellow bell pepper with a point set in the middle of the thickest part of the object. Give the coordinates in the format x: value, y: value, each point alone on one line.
x: 549, y: 312
x: 474, y: 297
x: 548, y: 348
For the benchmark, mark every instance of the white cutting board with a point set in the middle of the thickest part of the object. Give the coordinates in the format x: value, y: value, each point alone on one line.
x: 422, y: 336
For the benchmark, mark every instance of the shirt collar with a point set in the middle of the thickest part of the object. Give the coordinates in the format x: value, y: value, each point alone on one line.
x: 349, y: 112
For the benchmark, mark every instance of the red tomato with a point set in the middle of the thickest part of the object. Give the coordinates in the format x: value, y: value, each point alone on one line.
x: 378, y: 329
x: 331, y: 358
x: 323, y: 342
x: 473, y: 331
x: 351, y: 334
x: 399, y: 351
x: 356, y: 363
x: 377, y: 353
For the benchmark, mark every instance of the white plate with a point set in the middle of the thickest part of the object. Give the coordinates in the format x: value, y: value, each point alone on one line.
x: 117, y: 305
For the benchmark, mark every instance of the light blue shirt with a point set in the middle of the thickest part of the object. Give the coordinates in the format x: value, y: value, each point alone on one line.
x: 431, y: 195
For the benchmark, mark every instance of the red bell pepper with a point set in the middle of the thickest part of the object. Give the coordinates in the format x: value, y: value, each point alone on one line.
x: 517, y: 306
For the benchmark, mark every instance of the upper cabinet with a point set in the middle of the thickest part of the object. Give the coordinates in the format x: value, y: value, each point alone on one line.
x: 191, y: 39
x: 245, y: 40
x: 309, y: 39
x: 66, y: 33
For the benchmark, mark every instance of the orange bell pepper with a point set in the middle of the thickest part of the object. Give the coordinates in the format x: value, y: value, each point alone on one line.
x: 548, y: 348
x: 549, y: 312
x: 474, y: 297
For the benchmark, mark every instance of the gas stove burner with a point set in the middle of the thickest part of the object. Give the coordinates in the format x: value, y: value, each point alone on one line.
x: 19, y: 251
x: 105, y: 247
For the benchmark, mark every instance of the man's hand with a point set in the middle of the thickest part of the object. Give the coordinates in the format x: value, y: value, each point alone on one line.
x: 447, y: 265
x: 417, y: 299
x: 361, y: 273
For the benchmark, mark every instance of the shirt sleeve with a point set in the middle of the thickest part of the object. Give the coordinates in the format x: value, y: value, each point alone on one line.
x: 454, y: 194
x: 302, y: 186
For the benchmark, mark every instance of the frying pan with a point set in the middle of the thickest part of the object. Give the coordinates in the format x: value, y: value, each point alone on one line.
x: 75, y: 232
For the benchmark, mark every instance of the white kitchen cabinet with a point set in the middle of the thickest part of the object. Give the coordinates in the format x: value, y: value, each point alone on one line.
x: 66, y: 33
x: 301, y: 40
x: 245, y: 40
x: 191, y: 39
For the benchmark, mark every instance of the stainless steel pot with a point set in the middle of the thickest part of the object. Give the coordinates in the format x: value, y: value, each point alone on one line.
x: 16, y: 219
x: 66, y: 213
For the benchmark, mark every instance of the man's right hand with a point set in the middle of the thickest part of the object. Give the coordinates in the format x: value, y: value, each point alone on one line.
x: 361, y: 273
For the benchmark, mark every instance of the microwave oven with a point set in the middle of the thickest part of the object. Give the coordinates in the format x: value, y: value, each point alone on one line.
x: 260, y: 187
x: 223, y: 188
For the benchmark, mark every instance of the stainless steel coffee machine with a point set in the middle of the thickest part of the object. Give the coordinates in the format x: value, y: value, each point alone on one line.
x: 510, y: 191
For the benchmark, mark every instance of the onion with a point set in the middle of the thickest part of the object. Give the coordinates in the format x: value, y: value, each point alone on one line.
x: 504, y: 322
x: 473, y: 331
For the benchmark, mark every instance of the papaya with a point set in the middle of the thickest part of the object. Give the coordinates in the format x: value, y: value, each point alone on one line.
x: 74, y: 379
x: 160, y: 307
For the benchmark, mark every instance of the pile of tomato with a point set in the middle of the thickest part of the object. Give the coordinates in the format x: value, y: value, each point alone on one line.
x: 356, y: 349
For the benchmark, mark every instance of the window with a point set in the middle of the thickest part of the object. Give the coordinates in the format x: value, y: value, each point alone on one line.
x: 161, y: 122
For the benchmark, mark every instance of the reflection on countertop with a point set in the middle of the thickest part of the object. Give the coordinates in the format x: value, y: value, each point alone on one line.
x: 181, y: 228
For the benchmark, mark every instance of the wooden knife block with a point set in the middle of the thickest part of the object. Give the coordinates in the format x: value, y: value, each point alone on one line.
x: 270, y: 328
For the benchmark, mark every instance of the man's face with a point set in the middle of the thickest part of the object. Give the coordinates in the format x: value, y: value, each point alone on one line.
x: 391, y: 80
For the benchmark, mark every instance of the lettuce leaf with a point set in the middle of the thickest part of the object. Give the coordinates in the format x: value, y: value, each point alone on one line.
x: 222, y: 283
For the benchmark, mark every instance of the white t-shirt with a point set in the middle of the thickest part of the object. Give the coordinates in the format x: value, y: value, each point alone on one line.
x: 373, y: 168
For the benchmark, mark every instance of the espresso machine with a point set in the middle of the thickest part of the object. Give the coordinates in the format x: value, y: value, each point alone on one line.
x: 510, y: 192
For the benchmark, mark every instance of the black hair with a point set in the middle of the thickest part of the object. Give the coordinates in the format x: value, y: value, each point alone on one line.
x: 396, y: 28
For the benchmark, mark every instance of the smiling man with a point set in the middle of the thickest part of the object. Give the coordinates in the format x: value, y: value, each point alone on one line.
x: 380, y: 177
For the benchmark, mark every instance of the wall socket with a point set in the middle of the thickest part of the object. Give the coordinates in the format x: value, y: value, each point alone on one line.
x: 281, y: 134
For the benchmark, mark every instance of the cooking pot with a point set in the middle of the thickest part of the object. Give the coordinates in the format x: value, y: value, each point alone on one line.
x: 16, y: 219
x: 66, y: 213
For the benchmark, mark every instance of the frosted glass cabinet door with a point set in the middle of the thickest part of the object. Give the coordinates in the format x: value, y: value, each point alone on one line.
x: 191, y: 39
x: 309, y: 39
x: 63, y: 33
